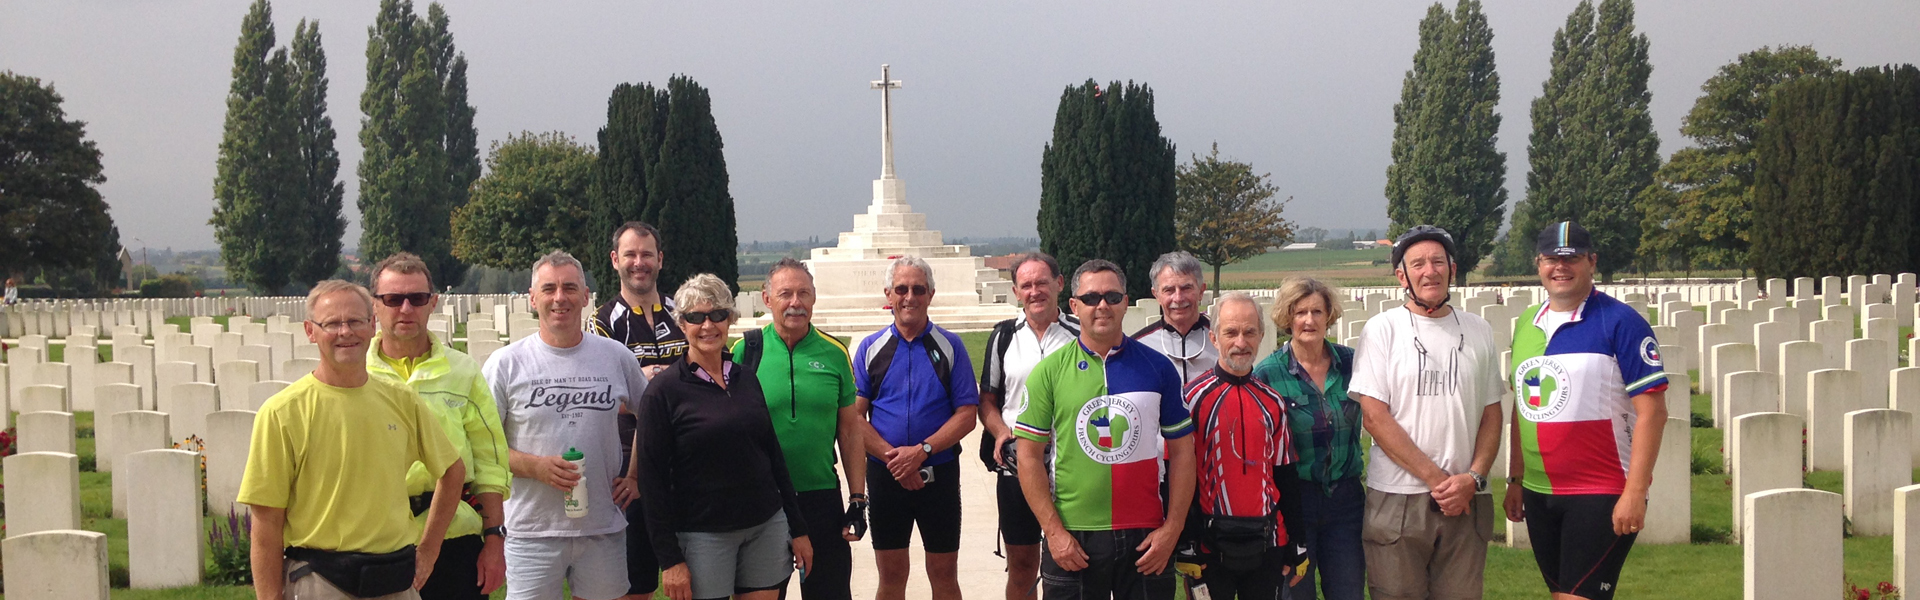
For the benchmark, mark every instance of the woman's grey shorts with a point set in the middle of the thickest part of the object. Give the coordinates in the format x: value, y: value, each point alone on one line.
x: 736, y: 562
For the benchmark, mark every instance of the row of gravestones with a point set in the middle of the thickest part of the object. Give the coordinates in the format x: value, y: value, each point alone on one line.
x: 165, y: 541
x: 80, y: 377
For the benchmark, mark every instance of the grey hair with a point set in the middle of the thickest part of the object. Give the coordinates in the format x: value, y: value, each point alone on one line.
x: 788, y: 262
x: 331, y: 286
x: 561, y: 258
x: 1180, y: 261
x: 910, y: 261
x: 1220, y: 305
x: 1098, y: 266
x: 704, y: 288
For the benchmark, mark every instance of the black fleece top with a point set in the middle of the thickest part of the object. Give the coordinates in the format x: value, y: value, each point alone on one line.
x: 709, y: 459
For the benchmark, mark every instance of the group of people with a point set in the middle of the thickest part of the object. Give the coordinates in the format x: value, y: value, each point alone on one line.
x: 648, y: 452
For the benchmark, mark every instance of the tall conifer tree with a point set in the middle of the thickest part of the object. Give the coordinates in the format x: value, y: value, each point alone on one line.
x: 1107, y: 182
x: 254, y: 187
x: 318, y: 199
x: 629, y: 147
x: 689, y: 188
x: 1593, y: 149
x: 417, y: 138
x: 1446, y: 170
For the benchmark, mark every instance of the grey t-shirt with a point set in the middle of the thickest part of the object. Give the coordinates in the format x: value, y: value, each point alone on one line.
x: 551, y: 399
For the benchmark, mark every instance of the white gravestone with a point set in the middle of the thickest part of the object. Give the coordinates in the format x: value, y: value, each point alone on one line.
x: 1903, y: 394
x: 135, y: 431
x: 282, y: 345
x: 226, y: 347
x: 60, y: 564
x: 1669, y: 501
x: 258, y: 393
x: 46, y: 432
x: 1710, y: 336
x: 228, y: 433
x: 1797, y: 359
x: 1833, y: 336
x: 43, y: 492
x: 81, y: 362
x: 233, y: 378
x: 192, y: 402
x: 1749, y: 392
x: 1792, y: 545
x: 1886, y: 330
x: 1906, y: 537
x: 299, y: 367
x: 1873, y: 359
x: 114, y: 398
x: 168, y: 375
x: 1767, y: 338
x: 202, y: 359
x: 1878, y: 461
x: 1729, y: 358
x: 1674, y: 358
x: 1765, y: 454
x: 41, y: 398
x: 166, y: 546
x: 141, y: 357
x: 1832, y: 394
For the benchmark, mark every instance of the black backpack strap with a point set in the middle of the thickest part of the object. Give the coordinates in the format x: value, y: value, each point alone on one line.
x: 878, y: 357
x: 752, y: 344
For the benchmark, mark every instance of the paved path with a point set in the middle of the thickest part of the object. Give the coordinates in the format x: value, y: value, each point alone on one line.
x: 982, y: 575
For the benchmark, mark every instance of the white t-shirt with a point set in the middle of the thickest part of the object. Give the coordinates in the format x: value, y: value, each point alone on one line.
x: 1551, y: 320
x: 1437, y: 397
x: 1006, y: 374
x: 552, y: 399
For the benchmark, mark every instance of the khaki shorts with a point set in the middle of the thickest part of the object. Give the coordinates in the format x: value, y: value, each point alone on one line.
x: 315, y: 587
x: 1415, y: 552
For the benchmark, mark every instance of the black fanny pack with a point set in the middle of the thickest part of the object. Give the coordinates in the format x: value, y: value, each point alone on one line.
x: 1240, y: 541
x: 361, y: 575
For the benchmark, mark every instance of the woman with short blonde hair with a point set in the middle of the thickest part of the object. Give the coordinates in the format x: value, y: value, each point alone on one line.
x: 1311, y: 373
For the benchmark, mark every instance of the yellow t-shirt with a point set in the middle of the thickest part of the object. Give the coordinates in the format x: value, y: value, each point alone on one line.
x: 336, y: 459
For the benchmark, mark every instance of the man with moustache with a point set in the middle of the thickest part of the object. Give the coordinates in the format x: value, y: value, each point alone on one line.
x: 326, y: 475
x: 915, y: 386
x: 643, y: 319
x: 1181, y: 333
x: 558, y: 391
x: 1108, y: 404
x: 807, y: 378
x: 1014, y: 347
x: 473, y: 560
x: 1427, y: 378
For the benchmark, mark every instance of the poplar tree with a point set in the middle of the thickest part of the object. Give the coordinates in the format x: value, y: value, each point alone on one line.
x: 415, y: 135
x: 1107, y: 182
x: 254, y: 191
x: 319, y: 194
x: 1446, y: 170
x: 1593, y: 149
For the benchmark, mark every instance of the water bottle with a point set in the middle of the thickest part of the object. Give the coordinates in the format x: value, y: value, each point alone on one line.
x: 575, y: 500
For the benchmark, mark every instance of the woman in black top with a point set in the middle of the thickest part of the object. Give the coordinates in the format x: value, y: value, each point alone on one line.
x: 723, y: 516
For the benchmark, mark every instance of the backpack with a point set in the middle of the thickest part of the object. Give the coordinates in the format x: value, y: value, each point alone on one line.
x: 753, y: 343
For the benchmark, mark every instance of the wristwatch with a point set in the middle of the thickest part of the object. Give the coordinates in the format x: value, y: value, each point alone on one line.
x: 499, y: 530
x: 927, y: 448
x: 1479, y: 481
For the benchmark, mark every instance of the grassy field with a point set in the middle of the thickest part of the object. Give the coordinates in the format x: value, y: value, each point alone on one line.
x: 1339, y: 267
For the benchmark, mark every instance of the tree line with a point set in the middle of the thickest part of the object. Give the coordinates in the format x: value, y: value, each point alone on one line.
x: 1795, y: 167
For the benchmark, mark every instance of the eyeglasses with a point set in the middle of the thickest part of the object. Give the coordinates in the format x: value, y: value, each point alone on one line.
x: 718, y: 315
x: 1094, y: 298
x: 902, y: 289
x: 417, y: 299
x: 341, y: 326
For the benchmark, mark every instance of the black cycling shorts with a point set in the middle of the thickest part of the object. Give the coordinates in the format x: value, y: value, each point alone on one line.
x: 1018, y: 526
x: 893, y: 511
x: 1574, y: 544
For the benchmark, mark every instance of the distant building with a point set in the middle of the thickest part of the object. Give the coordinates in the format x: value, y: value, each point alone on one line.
x: 1003, y: 263
x: 1299, y: 246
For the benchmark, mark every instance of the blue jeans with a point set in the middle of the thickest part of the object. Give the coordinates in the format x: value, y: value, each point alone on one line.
x: 1331, y: 528
x: 1110, y: 572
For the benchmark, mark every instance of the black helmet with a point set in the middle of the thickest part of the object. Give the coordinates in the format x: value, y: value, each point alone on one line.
x: 1421, y: 233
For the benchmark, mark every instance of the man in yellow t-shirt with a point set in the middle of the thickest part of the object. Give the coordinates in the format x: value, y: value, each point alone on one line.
x: 326, y: 470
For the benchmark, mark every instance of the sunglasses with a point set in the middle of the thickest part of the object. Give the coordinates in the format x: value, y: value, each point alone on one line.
x: 902, y: 289
x: 416, y: 299
x: 718, y: 315
x: 1094, y: 298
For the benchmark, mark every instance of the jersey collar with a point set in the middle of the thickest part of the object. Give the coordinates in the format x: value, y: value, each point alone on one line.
x: 1200, y: 325
x: 1111, y: 352
x: 1579, y: 312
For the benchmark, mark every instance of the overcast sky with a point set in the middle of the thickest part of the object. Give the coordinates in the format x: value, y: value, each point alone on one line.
x: 1303, y: 90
